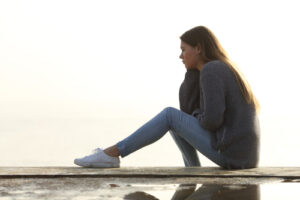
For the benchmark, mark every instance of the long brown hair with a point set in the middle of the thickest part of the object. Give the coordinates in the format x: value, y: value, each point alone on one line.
x: 213, y: 50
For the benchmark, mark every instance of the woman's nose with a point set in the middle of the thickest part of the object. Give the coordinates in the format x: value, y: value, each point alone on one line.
x: 180, y: 56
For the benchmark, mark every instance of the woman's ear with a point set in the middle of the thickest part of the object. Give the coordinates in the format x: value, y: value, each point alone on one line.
x: 198, y: 48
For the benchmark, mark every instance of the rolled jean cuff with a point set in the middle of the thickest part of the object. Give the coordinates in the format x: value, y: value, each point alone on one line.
x: 122, y: 149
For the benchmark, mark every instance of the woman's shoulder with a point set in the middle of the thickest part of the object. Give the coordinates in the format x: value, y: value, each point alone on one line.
x: 214, y: 66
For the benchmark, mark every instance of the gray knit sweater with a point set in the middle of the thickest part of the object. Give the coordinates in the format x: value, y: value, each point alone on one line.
x: 214, y: 98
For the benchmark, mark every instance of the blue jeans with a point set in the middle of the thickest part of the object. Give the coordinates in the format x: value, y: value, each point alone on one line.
x: 186, y: 131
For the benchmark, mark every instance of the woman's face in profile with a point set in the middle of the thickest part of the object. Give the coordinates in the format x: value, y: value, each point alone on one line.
x: 190, y: 55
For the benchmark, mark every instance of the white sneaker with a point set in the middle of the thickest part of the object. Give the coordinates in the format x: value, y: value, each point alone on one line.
x: 98, y: 159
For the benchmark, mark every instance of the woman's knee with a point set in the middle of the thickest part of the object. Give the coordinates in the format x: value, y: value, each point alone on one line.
x: 169, y: 110
x: 170, y: 113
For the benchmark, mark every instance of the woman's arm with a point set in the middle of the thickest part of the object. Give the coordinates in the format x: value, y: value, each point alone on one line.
x: 189, y: 92
x: 213, y: 97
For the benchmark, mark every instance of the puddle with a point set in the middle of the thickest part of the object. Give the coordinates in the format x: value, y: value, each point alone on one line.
x: 121, y: 189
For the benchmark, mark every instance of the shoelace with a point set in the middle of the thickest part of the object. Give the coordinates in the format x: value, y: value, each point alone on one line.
x: 96, y: 150
x: 93, y: 152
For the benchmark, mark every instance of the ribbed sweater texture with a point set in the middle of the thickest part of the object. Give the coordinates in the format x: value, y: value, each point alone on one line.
x: 213, y: 96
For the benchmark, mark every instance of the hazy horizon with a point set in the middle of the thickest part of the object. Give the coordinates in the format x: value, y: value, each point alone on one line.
x: 77, y: 75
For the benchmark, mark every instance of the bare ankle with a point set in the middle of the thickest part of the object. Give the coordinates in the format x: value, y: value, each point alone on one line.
x: 112, y: 151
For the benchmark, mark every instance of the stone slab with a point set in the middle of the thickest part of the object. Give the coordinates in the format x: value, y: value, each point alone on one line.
x: 144, y: 182
x: 158, y: 172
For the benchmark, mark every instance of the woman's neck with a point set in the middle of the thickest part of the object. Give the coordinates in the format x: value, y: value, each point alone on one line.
x: 200, y: 65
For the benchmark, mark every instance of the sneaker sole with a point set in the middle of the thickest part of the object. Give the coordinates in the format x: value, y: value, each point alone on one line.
x: 97, y: 165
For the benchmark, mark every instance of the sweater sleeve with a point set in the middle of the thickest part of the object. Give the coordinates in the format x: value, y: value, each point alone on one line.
x: 189, y: 92
x: 213, y: 93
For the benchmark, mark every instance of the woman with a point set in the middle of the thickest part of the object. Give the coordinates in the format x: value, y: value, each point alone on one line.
x: 218, y: 114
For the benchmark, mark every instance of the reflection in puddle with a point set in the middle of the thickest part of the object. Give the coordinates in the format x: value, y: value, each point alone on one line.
x: 138, y: 189
x: 209, y: 192
x: 288, y: 191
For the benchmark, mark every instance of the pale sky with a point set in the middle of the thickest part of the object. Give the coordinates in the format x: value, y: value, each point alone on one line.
x: 70, y: 58
x: 55, y: 53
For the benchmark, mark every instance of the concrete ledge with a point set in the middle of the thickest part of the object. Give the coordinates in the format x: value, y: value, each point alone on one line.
x: 30, y: 183
x: 148, y: 172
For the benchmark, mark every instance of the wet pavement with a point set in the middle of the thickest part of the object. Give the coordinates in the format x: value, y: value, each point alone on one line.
x: 209, y: 183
